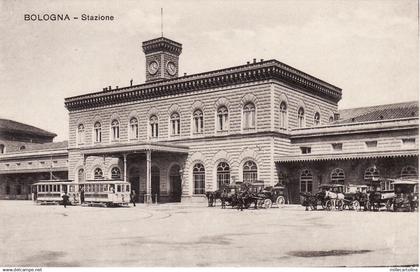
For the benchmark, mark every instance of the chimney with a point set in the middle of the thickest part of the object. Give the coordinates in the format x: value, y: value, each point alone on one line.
x: 247, y: 62
x: 336, y: 116
x: 255, y: 61
x: 116, y: 87
x: 261, y: 60
x: 104, y: 89
x: 109, y: 88
x: 185, y: 74
x: 131, y: 82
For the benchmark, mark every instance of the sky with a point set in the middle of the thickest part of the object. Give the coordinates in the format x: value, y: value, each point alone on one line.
x: 368, y: 48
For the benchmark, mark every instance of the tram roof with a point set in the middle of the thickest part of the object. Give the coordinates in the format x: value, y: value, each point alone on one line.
x: 106, y: 181
x: 61, y: 181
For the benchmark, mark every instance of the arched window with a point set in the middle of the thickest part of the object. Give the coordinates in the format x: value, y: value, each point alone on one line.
x: 301, y: 117
x: 115, y: 130
x: 222, y: 118
x: 306, y: 181
x: 2, y: 149
x: 198, y: 122
x: 115, y: 173
x: 22, y: 147
x: 372, y: 173
x: 98, y: 132
x: 199, y: 178
x: 81, y: 175
x: 317, y: 118
x: 154, y: 126
x: 98, y: 174
x: 331, y: 119
x: 250, y: 171
x: 223, y: 174
x: 249, y: 116
x: 337, y: 176
x: 283, y: 115
x: 409, y: 172
x: 134, y: 128
x: 81, y: 134
x: 175, y: 124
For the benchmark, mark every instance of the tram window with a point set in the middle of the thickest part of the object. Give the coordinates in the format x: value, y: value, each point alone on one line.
x: 101, y: 188
x: 43, y: 188
x: 51, y: 188
x: 111, y: 188
x: 54, y: 188
x: 71, y: 188
x: 104, y: 188
x: 118, y: 188
x: 96, y: 188
x: 127, y: 188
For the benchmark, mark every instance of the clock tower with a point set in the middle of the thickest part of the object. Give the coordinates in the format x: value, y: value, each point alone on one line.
x: 162, y: 59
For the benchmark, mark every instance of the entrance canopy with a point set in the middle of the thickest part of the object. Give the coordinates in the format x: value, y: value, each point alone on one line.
x: 133, y: 148
x: 349, y: 156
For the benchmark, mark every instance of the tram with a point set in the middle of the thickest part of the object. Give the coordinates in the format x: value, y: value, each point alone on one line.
x: 105, y: 192
x: 51, y: 191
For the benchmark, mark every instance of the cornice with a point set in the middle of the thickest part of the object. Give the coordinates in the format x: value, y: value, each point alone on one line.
x: 266, y: 70
x: 162, y: 44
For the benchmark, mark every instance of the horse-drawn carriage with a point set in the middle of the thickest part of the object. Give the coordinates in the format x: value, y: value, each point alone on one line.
x: 244, y: 194
x: 272, y: 195
x: 381, y: 194
x: 336, y: 197
x: 406, y: 195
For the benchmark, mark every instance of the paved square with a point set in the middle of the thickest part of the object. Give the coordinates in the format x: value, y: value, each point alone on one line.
x: 194, y: 235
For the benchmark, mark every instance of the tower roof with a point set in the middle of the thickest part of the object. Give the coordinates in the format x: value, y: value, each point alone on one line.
x: 162, y: 44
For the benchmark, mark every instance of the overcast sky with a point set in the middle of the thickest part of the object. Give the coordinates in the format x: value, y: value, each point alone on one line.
x: 367, y: 48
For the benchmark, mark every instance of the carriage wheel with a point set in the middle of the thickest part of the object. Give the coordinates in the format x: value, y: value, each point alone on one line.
x: 388, y: 205
x: 280, y: 201
x: 368, y: 205
x: 355, y: 205
x: 324, y: 204
x: 339, y: 204
x: 268, y: 203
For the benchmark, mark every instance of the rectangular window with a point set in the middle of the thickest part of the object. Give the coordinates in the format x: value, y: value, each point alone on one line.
x: 408, y: 141
x: 337, y: 146
x: 371, y: 144
x: 305, y: 150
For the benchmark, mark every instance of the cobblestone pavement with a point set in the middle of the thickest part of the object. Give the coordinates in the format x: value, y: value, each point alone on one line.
x: 194, y: 235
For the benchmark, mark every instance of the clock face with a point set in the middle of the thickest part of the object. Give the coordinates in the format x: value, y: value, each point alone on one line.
x: 171, y: 68
x: 153, y: 67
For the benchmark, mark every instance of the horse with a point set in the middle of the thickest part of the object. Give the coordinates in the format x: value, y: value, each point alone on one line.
x: 212, y: 197
x: 335, y: 199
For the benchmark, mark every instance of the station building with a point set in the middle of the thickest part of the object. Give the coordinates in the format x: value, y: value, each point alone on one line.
x: 176, y: 137
x: 28, y: 154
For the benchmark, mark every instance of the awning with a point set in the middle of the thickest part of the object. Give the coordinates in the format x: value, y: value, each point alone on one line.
x: 134, y: 148
x: 349, y: 156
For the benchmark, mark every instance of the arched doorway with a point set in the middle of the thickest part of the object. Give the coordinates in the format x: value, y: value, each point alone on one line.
x: 175, y: 184
x: 155, y: 183
x: 134, y: 179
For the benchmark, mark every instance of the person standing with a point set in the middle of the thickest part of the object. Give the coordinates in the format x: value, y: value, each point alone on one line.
x: 133, y: 197
x: 82, y: 195
x: 65, y: 199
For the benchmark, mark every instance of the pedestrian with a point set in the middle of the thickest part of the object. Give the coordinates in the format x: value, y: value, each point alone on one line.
x: 82, y: 195
x: 65, y: 199
x: 133, y: 197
